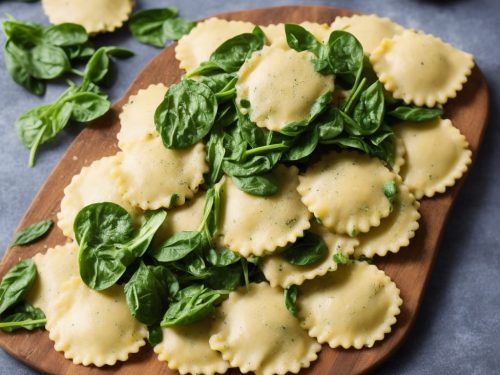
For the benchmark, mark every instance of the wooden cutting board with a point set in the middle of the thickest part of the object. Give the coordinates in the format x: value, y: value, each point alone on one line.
x: 409, y: 268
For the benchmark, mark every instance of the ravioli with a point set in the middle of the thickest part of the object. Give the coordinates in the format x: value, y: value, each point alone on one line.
x: 369, y: 29
x: 420, y: 68
x: 437, y: 155
x: 268, y: 340
x: 93, y: 327
x: 96, y: 16
x: 281, y: 273
x: 351, y: 307
x: 276, y: 37
x: 345, y: 190
x: 186, y: 349
x: 151, y: 176
x: 93, y: 184
x: 197, y: 46
x: 281, y: 86
x: 56, y: 266
x: 137, y: 118
x: 252, y: 225
x: 395, y: 231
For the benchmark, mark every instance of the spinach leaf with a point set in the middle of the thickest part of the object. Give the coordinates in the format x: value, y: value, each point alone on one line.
x: 291, y: 299
x: 415, y: 114
x: 354, y: 142
x: 307, y: 250
x: 138, y: 245
x: 31, y: 233
x: 390, y: 190
x: 345, y: 55
x: 178, y: 246
x: 331, y: 124
x: 254, y: 165
x: 15, y: 62
x: 211, y: 214
x: 147, y: 25
x: 23, y: 316
x: 155, y: 335
x: 215, y: 156
x: 191, y: 308
x: 104, y: 223
x: 300, y: 39
x: 224, y: 278
x: 147, y: 293
x: 222, y: 258
x: 186, y: 114
x: 65, y: 34
x: 260, y: 185
x: 176, y: 28
x: 88, y: 106
x: 217, y: 82
x: 16, y: 283
x: 304, y: 145
x: 369, y: 111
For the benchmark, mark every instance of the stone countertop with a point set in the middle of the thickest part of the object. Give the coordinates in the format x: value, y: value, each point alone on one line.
x: 458, y: 327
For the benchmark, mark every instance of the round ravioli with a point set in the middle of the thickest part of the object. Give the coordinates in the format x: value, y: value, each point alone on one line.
x: 197, y: 46
x: 395, y: 231
x: 421, y: 68
x: 369, y: 29
x: 255, y: 332
x: 137, y: 118
x: 93, y: 327
x: 96, y: 16
x: 279, y: 272
x: 93, y: 184
x: 187, y: 217
x: 253, y: 225
x: 281, y: 87
x: 186, y: 349
x: 151, y: 176
x: 276, y: 36
x: 345, y: 190
x: 55, y: 267
x: 437, y: 155
x: 351, y: 307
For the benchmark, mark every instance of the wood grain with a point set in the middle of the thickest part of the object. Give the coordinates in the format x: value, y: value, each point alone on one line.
x: 409, y: 268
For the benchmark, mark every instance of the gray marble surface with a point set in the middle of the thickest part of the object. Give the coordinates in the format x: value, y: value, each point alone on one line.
x: 457, y: 331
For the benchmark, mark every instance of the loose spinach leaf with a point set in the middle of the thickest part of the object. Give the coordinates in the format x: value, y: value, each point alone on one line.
x: 138, y: 245
x: 15, y: 62
x: 23, y: 316
x: 88, y: 106
x: 104, y: 223
x: 16, y: 283
x: 65, y: 34
x: 260, y: 185
x: 222, y: 258
x: 178, y: 246
x: 369, y: 111
x: 31, y: 233
x: 176, y: 28
x: 308, y: 250
x: 147, y: 25
x: 147, y: 293
x: 415, y: 114
x: 345, y: 55
x: 191, y: 308
x: 186, y: 114
x: 390, y: 190
x: 215, y: 156
x: 155, y: 335
x: 47, y: 62
x: 300, y: 39
x: 291, y: 299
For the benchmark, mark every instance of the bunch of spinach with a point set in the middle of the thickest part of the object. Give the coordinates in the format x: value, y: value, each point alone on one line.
x: 35, y: 53
x: 15, y: 312
x: 82, y: 103
x: 156, y: 26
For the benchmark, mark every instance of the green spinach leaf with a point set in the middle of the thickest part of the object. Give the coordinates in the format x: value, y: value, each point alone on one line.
x: 307, y: 250
x: 369, y: 111
x: 415, y: 114
x: 291, y: 299
x: 260, y: 185
x: 31, y: 233
x: 178, y: 246
x: 16, y: 283
x: 23, y: 316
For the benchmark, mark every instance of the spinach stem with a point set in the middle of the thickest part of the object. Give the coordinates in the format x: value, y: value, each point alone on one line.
x: 22, y: 323
x: 263, y: 149
x: 34, y: 148
x: 354, y: 96
x: 77, y: 72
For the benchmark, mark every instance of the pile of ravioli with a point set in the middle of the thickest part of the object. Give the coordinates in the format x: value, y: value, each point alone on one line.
x: 349, y: 305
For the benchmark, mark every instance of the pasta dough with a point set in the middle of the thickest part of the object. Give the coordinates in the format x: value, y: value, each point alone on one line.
x: 94, y: 327
x: 56, y: 266
x: 276, y: 36
x: 281, y: 86
x: 268, y: 340
x: 279, y: 272
x: 197, y: 46
x: 151, y: 176
x: 96, y: 16
x: 137, y: 117
x: 436, y: 156
x: 345, y: 190
x: 395, y: 231
x: 399, y: 155
x: 253, y: 225
x: 420, y: 68
x: 369, y: 29
x: 186, y: 349
x: 93, y: 184
x: 351, y: 307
